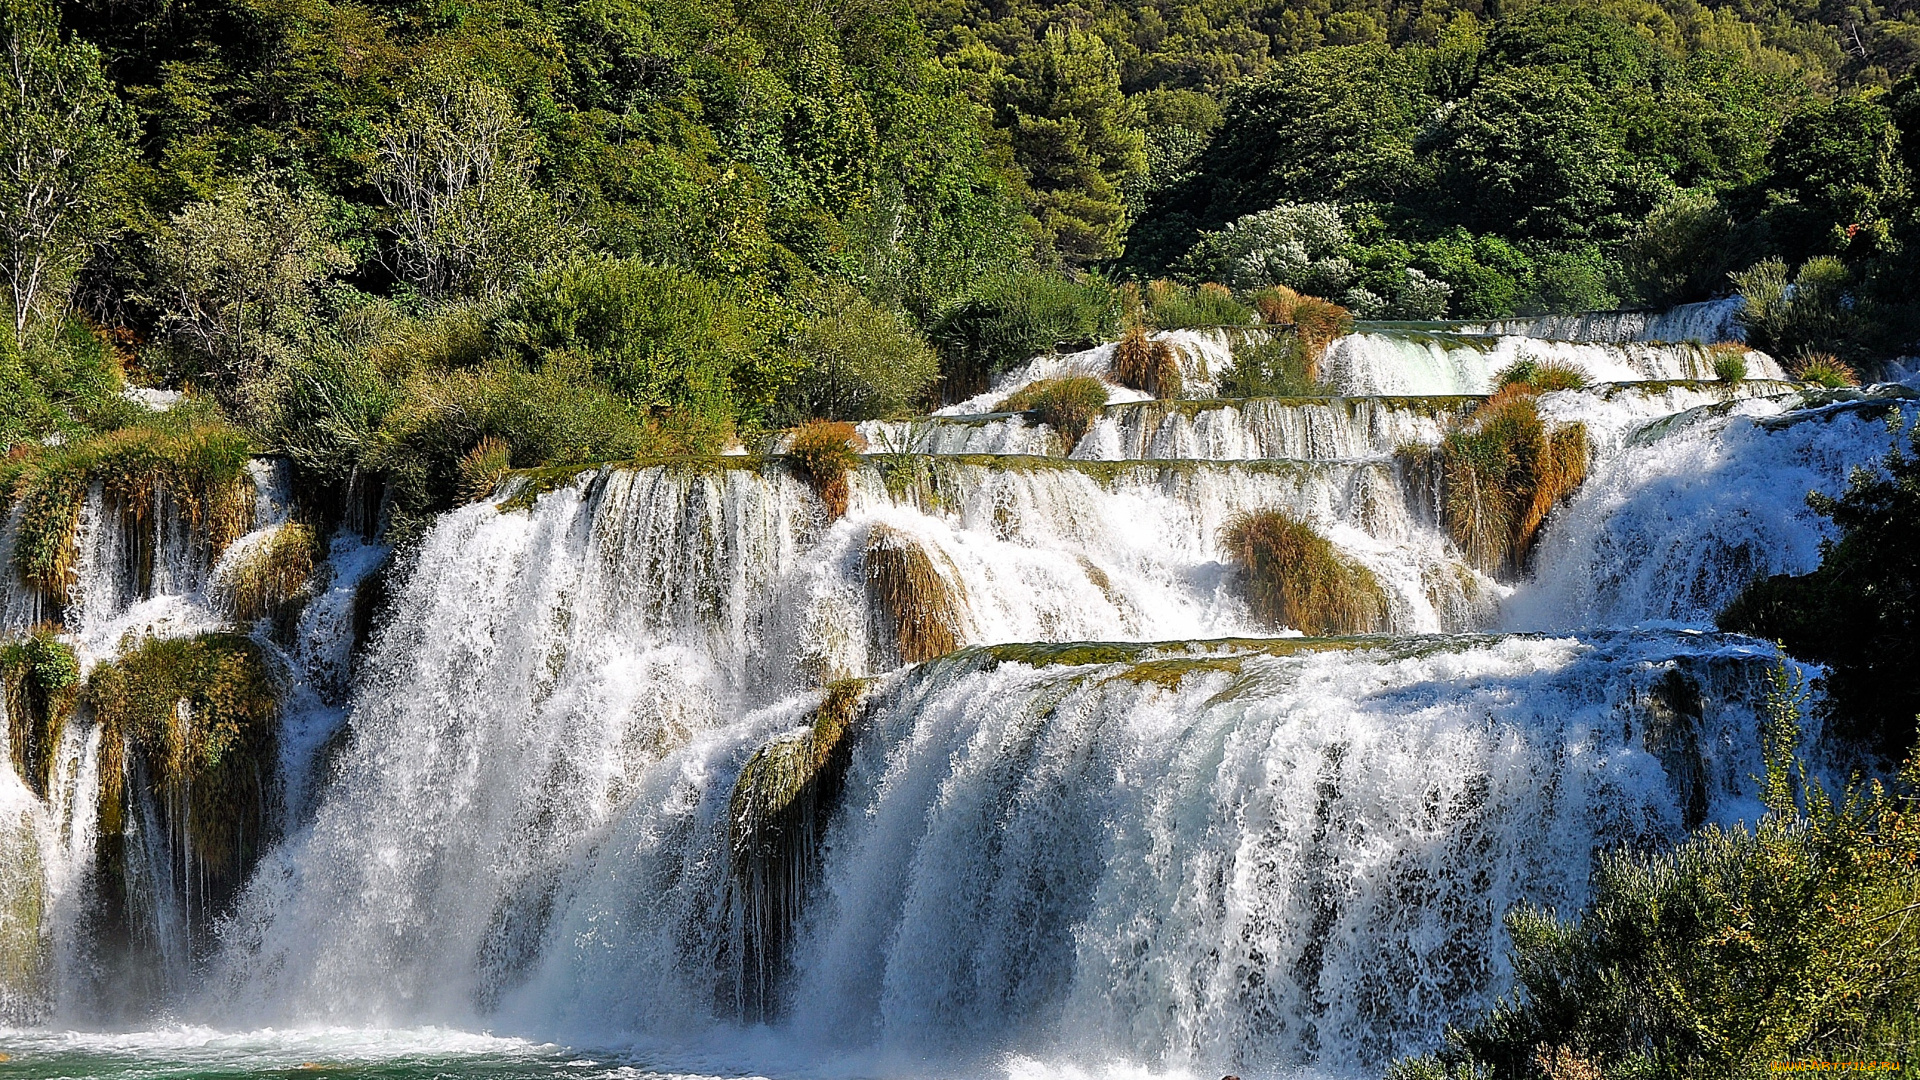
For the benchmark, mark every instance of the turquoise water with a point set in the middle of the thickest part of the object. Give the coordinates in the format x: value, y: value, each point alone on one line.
x: 199, y: 1054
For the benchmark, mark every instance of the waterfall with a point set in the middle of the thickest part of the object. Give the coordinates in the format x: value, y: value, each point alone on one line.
x: 1706, y: 322
x: 1123, y: 821
x: 1686, y: 514
x: 1402, y: 361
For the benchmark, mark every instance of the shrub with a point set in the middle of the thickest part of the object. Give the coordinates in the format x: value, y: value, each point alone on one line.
x: 1296, y: 245
x: 1542, y: 376
x: 658, y: 337
x: 1824, y: 369
x: 1294, y: 577
x: 1729, y: 361
x: 63, y: 378
x: 825, y: 451
x: 905, y: 583
x: 557, y: 414
x: 1794, y: 939
x: 483, y: 467
x: 1679, y: 253
x: 859, y: 362
x: 1149, y: 366
x: 1014, y: 318
x: 1315, y: 321
x: 1172, y: 306
x: 1816, y: 312
x: 196, y: 463
x: 1277, y: 365
x: 264, y: 579
x: 40, y: 677
x: 1068, y: 405
x: 1502, y: 472
x: 198, y: 716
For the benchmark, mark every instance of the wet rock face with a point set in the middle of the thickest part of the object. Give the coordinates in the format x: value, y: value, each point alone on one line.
x: 1670, y: 713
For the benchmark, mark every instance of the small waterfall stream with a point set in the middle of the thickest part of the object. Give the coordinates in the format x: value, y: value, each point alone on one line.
x: 1124, y: 821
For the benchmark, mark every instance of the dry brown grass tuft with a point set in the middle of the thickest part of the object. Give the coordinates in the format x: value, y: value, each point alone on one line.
x: 1146, y: 365
x: 825, y: 451
x: 1315, y: 321
x: 1294, y: 577
x: 1503, y: 472
x: 907, y: 585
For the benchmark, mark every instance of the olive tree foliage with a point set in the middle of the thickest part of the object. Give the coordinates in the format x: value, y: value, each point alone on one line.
x: 1299, y: 245
x: 238, y: 277
x: 456, y: 166
x: 63, y: 139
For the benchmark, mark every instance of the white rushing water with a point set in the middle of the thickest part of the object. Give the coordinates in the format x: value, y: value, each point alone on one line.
x: 1706, y: 322
x: 1193, y: 849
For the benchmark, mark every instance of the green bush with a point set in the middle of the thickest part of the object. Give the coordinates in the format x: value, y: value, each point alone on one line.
x: 658, y: 337
x: 1542, y: 376
x: 1816, y: 311
x: 1069, y: 405
x: 1729, y: 361
x: 1277, y: 365
x: 1681, y: 252
x: 1172, y: 306
x: 858, y: 362
x: 1792, y: 940
x: 1015, y: 318
x: 62, y: 379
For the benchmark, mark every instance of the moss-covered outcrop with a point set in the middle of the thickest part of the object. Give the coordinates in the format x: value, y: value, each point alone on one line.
x: 781, y: 801
x: 194, y: 721
x: 190, y: 465
x: 40, y: 677
x: 922, y: 607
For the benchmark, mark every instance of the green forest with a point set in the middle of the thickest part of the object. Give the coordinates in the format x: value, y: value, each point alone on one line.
x: 383, y: 238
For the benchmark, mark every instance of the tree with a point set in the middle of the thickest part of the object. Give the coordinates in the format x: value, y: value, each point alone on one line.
x: 1075, y: 143
x: 457, y: 168
x: 238, y: 275
x: 63, y: 140
x: 1525, y: 156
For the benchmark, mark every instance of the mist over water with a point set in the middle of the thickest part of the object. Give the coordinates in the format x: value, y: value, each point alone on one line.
x: 1199, y: 848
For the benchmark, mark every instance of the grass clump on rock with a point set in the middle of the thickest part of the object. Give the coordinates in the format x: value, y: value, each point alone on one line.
x: 1823, y: 369
x: 1502, y: 472
x: 1068, y: 405
x: 41, y: 680
x: 1294, y: 577
x: 263, y: 580
x: 191, y: 463
x: 198, y: 717
x: 1542, y: 376
x: 1173, y: 306
x: 1729, y: 360
x: 1148, y: 366
x: 825, y: 451
x: 1315, y: 322
x: 905, y: 583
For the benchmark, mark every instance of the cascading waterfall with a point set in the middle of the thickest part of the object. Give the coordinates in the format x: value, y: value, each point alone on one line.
x: 1124, y: 822
x: 1415, y: 361
x: 1707, y: 322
